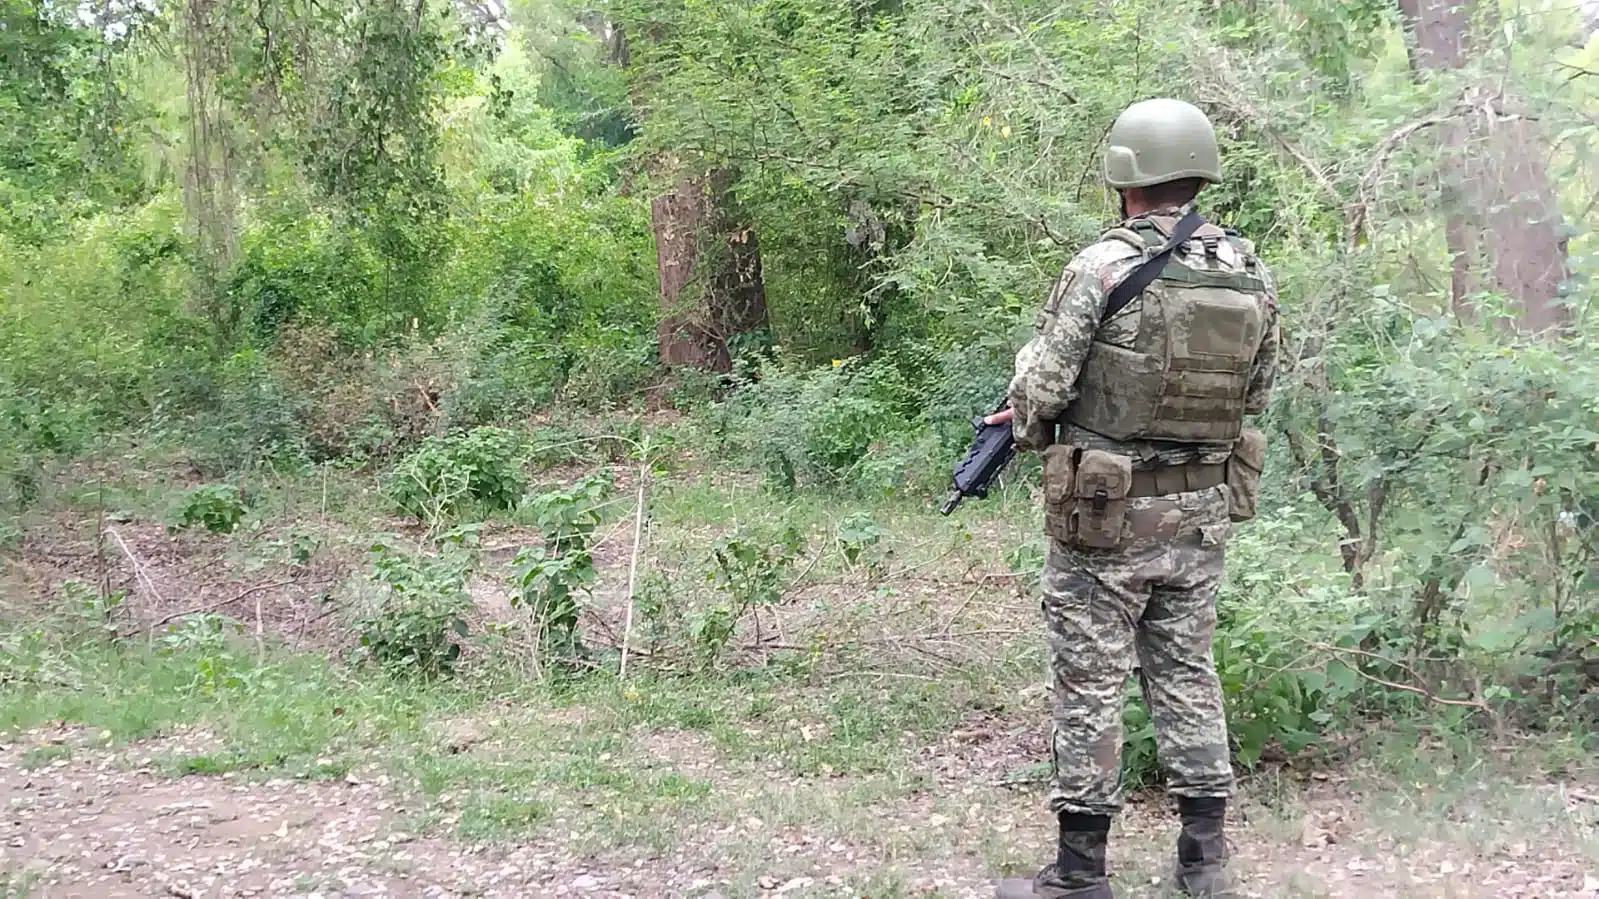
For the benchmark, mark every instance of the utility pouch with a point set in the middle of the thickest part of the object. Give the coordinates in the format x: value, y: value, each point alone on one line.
x: 1243, y: 474
x: 1060, y: 489
x: 1099, y: 516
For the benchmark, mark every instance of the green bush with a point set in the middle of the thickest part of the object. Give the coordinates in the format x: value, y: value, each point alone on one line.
x: 608, y: 366
x: 816, y: 425
x: 219, y: 508
x: 300, y: 266
x: 418, y: 624
x: 479, y: 469
x: 246, y: 417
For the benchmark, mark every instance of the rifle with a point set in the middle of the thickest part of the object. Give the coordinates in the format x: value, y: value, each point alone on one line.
x: 990, y: 452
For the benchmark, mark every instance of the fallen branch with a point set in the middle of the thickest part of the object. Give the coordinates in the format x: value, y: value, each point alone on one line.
x: 138, y: 568
x: 949, y: 623
x: 1337, y: 651
x: 207, y: 609
x: 882, y: 674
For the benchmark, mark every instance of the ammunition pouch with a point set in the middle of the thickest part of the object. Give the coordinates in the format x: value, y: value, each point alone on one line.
x: 1060, y: 490
x: 1098, y: 518
x: 1243, y: 474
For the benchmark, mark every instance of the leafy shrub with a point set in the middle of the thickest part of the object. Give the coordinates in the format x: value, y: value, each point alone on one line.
x: 298, y: 265
x: 816, y: 425
x: 748, y: 568
x: 547, y: 584
x: 246, y: 417
x: 568, y: 516
x: 504, y: 374
x: 417, y: 626
x: 203, y: 641
x: 608, y: 365
x: 445, y: 475
x: 217, y: 507
x: 547, y: 580
x: 858, y: 532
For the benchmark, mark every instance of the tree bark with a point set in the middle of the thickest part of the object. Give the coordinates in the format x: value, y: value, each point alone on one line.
x: 1503, y: 216
x: 709, y: 265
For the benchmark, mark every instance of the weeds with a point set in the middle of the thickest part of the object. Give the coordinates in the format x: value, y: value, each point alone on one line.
x: 418, y: 625
x: 445, y: 476
x: 219, y: 508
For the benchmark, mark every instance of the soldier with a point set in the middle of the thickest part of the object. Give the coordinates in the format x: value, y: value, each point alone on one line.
x: 1139, y: 412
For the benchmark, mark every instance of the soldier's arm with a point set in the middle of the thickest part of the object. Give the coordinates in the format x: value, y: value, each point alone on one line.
x: 1045, y: 382
x: 1263, y: 371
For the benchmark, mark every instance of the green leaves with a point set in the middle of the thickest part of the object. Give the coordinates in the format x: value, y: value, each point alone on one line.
x: 416, y: 626
x: 217, y: 507
x: 446, y: 475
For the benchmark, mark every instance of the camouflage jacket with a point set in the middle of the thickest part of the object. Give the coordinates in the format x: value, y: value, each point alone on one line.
x: 1047, y: 367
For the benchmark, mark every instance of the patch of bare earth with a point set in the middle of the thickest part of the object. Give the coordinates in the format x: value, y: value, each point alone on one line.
x: 168, y: 577
x: 106, y: 823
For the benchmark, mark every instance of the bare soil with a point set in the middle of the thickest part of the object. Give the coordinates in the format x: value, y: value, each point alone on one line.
x: 83, y: 819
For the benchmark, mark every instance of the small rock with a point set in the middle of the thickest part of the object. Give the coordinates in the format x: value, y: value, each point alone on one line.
x: 585, y: 882
x: 127, y: 863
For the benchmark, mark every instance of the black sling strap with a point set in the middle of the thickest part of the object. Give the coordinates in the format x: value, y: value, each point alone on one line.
x: 1141, y: 277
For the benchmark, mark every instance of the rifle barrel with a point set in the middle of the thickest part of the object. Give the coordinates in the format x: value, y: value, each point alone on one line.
x: 951, y: 502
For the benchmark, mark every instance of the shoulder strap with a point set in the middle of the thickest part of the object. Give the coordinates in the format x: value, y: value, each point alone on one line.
x: 1127, y: 236
x: 1141, y: 277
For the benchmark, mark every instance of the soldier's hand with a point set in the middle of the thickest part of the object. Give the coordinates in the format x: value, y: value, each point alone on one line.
x: 1000, y: 417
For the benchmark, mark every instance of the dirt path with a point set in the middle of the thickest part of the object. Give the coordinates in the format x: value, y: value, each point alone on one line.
x: 83, y: 820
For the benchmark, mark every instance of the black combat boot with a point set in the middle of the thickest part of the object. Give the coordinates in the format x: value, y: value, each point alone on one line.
x: 1202, y: 849
x: 1079, y: 868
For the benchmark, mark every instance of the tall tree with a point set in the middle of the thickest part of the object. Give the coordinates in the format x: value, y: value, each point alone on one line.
x: 707, y: 254
x: 709, y: 264
x: 1503, y: 215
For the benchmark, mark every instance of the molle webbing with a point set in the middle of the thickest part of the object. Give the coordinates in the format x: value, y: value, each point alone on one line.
x: 1186, y: 377
x: 1173, y: 479
x: 1182, y: 274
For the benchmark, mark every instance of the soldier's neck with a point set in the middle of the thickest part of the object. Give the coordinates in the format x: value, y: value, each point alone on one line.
x: 1132, y: 211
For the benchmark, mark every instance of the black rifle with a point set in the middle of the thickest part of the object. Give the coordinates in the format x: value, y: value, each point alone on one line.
x: 991, y: 448
x: 990, y: 452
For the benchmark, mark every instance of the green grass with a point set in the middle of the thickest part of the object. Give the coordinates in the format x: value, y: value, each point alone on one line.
x: 291, y: 707
x: 40, y: 756
x: 627, y: 759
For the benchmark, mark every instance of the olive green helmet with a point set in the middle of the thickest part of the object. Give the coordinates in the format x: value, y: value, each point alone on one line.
x: 1154, y: 141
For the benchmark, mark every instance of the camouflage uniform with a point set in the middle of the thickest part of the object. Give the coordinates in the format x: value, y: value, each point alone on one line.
x: 1150, y: 602
x: 1139, y: 415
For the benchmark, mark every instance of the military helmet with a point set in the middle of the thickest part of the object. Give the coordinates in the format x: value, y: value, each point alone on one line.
x: 1155, y: 141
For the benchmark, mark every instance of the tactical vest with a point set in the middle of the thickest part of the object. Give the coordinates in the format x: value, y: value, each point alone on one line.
x: 1187, y: 376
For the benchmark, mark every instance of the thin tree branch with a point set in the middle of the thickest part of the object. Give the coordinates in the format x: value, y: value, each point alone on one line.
x: 208, y: 608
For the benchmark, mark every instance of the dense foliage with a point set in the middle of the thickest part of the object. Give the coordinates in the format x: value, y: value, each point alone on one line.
x: 278, y: 237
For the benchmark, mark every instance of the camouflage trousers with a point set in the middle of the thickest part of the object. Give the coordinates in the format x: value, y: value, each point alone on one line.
x: 1149, y: 602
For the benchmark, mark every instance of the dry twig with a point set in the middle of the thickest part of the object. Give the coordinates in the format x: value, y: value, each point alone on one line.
x: 138, y: 567
x: 632, y: 571
x: 211, y: 607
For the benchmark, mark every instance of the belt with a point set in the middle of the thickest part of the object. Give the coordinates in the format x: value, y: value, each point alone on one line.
x: 1173, y: 479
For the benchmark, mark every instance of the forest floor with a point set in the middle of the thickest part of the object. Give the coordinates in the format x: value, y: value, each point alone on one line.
x: 670, y: 815
x: 258, y: 767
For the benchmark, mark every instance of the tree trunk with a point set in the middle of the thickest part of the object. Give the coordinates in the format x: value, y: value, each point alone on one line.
x: 709, y: 265
x: 1502, y: 211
